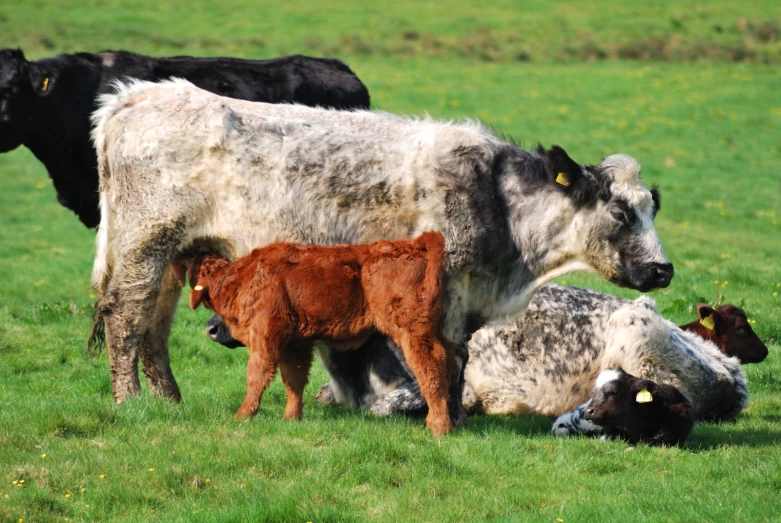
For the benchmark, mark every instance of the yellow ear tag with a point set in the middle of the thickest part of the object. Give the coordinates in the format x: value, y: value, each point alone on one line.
x: 45, y: 84
x: 198, y: 288
x: 644, y: 396
x: 562, y: 179
x: 708, y: 322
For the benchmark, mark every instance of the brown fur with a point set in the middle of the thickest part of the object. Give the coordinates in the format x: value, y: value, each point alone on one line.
x: 732, y: 333
x: 281, y: 298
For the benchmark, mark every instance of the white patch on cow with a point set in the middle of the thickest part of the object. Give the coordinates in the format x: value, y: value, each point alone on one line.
x: 606, y: 376
x: 107, y: 59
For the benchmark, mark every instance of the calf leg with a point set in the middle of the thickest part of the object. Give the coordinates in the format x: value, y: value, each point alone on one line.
x: 265, y: 354
x: 154, y: 355
x: 431, y: 360
x: 294, y: 367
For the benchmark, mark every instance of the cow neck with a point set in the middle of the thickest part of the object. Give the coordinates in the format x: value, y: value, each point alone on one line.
x: 540, y: 239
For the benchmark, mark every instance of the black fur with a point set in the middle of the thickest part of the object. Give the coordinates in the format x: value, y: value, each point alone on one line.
x: 666, y: 420
x: 45, y: 105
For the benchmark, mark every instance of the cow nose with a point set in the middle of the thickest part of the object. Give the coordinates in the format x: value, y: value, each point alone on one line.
x: 590, y: 412
x: 663, y: 274
x: 213, y: 331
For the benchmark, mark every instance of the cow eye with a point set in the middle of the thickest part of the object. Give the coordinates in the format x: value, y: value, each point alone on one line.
x: 742, y: 331
x: 620, y: 215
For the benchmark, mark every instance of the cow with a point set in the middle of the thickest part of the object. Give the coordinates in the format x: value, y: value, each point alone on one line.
x: 45, y: 104
x: 546, y: 360
x: 640, y: 410
x: 282, y: 298
x: 182, y: 170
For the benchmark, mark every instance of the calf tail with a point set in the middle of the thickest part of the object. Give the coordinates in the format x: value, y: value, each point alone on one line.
x: 433, y: 281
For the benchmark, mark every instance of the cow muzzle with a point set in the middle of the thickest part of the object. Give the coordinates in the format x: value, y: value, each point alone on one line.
x: 220, y: 333
x: 650, y: 276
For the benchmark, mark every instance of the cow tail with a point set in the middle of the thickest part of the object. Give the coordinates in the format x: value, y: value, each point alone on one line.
x: 101, y: 271
x: 433, y: 282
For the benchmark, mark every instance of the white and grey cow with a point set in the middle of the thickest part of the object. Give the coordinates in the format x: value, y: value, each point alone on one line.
x: 546, y: 362
x: 183, y: 170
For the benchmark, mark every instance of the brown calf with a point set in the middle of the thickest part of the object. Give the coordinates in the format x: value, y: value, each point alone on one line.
x: 729, y: 329
x: 280, y: 299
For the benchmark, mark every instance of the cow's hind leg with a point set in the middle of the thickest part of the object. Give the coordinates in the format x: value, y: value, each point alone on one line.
x: 129, y: 309
x: 431, y: 360
x: 294, y: 367
x: 154, y: 355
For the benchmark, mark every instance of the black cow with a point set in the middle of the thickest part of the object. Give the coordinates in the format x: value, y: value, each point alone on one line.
x: 45, y: 105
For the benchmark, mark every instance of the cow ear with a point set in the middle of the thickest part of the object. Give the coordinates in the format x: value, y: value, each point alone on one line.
x: 709, y: 318
x: 197, y: 295
x: 564, y: 173
x: 42, y: 79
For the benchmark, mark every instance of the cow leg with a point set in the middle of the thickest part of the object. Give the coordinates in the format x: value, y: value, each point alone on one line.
x: 431, y: 361
x: 154, y: 356
x: 128, y: 310
x: 294, y: 368
x: 123, y: 362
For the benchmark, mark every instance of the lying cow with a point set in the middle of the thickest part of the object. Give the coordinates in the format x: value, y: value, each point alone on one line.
x: 640, y: 410
x: 183, y: 170
x: 282, y: 298
x: 46, y: 103
x: 546, y: 360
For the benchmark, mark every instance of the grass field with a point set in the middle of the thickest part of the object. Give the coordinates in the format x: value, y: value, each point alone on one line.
x: 706, y: 127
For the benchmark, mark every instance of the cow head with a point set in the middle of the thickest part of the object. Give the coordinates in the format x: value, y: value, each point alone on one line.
x: 615, y: 395
x: 729, y: 329
x: 601, y: 218
x: 22, y: 85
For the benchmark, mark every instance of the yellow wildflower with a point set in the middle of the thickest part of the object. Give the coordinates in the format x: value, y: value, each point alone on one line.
x: 151, y: 470
x: 67, y: 494
x: 725, y: 255
x: 43, y: 456
x: 82, y: 489
x: 86, y: 506
x: 102, y: 476
x: 724, y: 283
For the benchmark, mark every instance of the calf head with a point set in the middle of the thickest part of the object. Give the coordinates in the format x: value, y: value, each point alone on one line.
x: 22, y: 85
x: 728, y: 328
x: 615, y: 396
x: 605, y: 223
x: 205, y: 279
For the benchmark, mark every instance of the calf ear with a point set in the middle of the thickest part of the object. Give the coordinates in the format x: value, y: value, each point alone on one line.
x: 42, y: 79
x: 644, y: 391
x: 709, y: 318
x: 197, y: 295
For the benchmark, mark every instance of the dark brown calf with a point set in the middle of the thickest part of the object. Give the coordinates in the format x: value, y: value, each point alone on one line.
x: 640, y: 410
x: 729, y: 329
x: 280, y: 299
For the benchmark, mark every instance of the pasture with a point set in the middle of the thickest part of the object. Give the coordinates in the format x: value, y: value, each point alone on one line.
x: 692, y: 93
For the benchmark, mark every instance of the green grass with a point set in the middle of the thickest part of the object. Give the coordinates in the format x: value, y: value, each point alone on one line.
x: 706, y: 132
